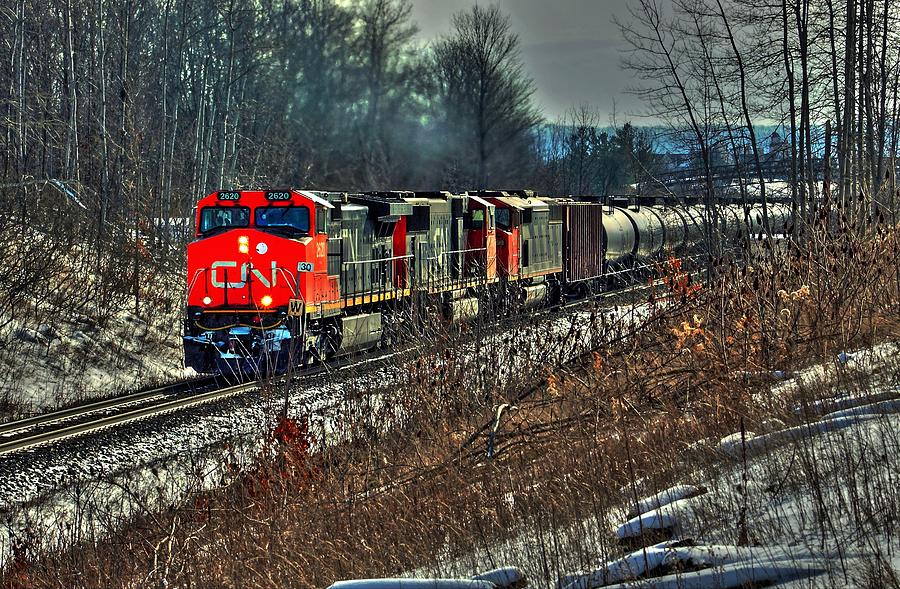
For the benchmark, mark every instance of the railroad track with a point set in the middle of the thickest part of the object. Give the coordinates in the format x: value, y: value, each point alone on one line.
x: 58, y: 426
x: 24, y: 437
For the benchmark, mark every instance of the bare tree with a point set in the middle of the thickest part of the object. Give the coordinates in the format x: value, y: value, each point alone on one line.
x: 486, y: 94
x: 388, y: 68
x: 677, y: 85
x: 796, y: 64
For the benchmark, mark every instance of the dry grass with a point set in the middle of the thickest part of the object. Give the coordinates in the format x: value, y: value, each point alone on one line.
x: 406, y: 483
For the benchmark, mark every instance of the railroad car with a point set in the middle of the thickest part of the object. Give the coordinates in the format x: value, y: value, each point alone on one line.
x: 279, y: 278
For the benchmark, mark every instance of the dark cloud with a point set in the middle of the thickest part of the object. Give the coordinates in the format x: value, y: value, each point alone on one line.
x: 571, y: 48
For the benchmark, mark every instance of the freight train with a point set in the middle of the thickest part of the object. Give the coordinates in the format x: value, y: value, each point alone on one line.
x: 279, y: 278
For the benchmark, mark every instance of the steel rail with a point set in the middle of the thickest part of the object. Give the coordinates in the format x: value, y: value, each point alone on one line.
x: 30, y: 440
x: 111, y: 403
x: 59, y: 434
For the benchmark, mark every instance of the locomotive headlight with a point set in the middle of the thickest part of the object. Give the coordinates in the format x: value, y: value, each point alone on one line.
x: 207, y: 300
x: 266, y: 301
x: 244, y: 244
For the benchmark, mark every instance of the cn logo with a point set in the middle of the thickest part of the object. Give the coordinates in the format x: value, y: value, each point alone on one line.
x: 220, y: 271
x: 224, y: 273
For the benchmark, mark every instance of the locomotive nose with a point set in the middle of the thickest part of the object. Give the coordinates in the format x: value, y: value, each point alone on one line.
x: 238, y: 270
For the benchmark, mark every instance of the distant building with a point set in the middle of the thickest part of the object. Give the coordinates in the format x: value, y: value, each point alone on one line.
x: 777, y: 148
x: 720, y: 156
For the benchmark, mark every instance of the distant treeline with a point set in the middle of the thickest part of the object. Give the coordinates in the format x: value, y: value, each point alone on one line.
x: 825, y: 72
x: 140, y: 106
x: 137, y: 107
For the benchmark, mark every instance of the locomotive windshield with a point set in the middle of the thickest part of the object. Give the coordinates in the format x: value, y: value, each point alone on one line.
x: 216, y: 218
x: 289, y: 218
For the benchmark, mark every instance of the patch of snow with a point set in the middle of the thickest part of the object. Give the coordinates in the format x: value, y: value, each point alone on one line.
x: 878, y: 408
x: 661, y: 518
x: 719, y: 566
x: 731, y: 576
x: 413, y: 584
x: 665, y: 497
x: 632, y: 566
x: 727, y: 443
x: 757, y: 444
x: 503, y: 578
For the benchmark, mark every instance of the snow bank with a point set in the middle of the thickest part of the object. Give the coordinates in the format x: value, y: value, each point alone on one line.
x: 413, y: 584
x: 731, y: 576
x: 877, y: 408
x: 698, y: 566
x: 665, y: 497
x: 635, y: 565
x: 663, y: 518
x: 755, y: 445
x: 502, y: 578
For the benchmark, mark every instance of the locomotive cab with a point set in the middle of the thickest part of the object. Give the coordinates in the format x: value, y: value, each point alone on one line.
x: 258, y: 261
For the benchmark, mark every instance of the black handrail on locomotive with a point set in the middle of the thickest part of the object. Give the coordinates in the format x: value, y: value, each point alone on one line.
x: 464, y: 279
x: 345, y: 294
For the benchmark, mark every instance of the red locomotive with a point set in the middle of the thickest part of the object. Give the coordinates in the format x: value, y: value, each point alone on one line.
x: 278, y: 277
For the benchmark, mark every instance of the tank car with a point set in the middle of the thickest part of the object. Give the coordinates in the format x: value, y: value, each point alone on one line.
x: 675, y: 224
x: 620, y: 241
x: 779, y: 215
x: 648, y: 229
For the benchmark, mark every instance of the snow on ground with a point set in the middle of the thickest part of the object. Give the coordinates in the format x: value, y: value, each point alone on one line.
x: 67, y: 492
x: 814, y: 508
x: 57, y: 494
x: 809, y: 506
x: 70, y: 325
x: 502, y: 578
x: 774, y: 189
x: 74, y: 358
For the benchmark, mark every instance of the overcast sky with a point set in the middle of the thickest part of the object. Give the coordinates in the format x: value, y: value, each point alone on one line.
x: 570, y: 47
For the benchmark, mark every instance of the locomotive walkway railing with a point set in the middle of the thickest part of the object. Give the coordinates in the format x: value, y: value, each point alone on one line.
x: 375, y: 283
x: 365, y: 282
x: 471, y: 272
